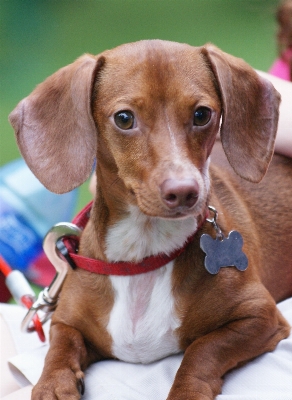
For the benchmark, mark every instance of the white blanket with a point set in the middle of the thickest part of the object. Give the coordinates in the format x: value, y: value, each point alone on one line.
x: 269, y: 377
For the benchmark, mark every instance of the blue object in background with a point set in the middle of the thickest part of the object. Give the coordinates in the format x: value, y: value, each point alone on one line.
x: 27, y: 211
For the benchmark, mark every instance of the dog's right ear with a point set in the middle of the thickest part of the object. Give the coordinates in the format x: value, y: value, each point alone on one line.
x: 250, y: 114
x: 54, y: 127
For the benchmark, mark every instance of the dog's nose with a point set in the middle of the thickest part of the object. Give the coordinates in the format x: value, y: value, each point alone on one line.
x: 179, y: 193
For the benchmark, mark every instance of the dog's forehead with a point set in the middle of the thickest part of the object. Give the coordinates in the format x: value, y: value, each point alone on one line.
x: 149, y: 49
x: 155, y: 63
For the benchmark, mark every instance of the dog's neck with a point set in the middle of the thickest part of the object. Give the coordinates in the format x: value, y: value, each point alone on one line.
x: 130, y: 235
x: 136, y: 236
x: 122, y: 231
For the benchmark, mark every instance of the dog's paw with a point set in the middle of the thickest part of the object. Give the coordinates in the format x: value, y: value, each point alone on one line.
x: 61, y: 385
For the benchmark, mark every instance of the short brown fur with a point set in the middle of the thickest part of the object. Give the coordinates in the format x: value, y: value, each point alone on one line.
x: 226, y: 319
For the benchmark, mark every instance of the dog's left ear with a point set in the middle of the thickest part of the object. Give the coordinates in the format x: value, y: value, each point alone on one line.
x: 250, y: 114
x: 54, y: 127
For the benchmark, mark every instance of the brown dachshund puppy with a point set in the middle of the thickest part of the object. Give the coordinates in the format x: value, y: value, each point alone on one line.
x: 150, y: 112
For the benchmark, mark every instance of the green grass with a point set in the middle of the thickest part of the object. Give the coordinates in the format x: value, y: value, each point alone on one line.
x: 39, y: 36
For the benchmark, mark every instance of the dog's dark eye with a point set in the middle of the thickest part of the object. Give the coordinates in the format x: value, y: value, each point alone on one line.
x: 124, y: 120
x: 202, y: 116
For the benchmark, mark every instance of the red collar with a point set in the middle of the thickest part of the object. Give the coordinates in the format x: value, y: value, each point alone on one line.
x: 119, y: 268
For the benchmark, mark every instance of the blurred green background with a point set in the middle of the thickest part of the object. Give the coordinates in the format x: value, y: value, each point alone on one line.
x: 38, y: 37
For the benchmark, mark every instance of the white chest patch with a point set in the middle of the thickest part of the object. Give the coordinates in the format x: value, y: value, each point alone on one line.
x: 142, y: 322
x: 138, y: 236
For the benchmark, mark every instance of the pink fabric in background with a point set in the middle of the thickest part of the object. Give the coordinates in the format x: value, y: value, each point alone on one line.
x: 281, y: 68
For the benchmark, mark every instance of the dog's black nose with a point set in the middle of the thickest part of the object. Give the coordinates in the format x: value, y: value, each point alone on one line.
x: 179, y: 193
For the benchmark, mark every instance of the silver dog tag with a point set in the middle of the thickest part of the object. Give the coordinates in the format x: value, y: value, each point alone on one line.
x: 224, y: 252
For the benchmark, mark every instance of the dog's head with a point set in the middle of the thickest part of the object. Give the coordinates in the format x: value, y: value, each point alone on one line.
x: 150, y: 111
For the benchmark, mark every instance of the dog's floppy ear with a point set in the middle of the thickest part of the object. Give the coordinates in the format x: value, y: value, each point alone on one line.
x: 54, y: 127
x: 250, y: 114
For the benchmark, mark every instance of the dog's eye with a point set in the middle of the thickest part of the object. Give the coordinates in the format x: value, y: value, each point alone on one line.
x: 124, y: 120
x: 202, y: 116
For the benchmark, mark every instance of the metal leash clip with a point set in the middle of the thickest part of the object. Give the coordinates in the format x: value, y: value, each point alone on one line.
x: 213, y: 221
x: 54, y: 248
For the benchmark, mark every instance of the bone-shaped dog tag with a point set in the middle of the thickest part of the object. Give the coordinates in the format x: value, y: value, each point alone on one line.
x: 223, y: 252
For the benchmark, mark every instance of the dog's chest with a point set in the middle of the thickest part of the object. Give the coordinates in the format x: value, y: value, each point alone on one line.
x: 142, y: 322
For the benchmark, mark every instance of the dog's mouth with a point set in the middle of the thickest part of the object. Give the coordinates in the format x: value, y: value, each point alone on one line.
x: 179, y: 215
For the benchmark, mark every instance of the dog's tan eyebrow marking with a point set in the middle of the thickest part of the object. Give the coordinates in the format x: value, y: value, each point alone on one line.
x: 124, y: 103
x: 139, y: 100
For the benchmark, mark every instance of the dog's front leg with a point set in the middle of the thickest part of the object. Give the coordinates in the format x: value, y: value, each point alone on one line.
x: 62, y: 377
x: 208, y: 358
